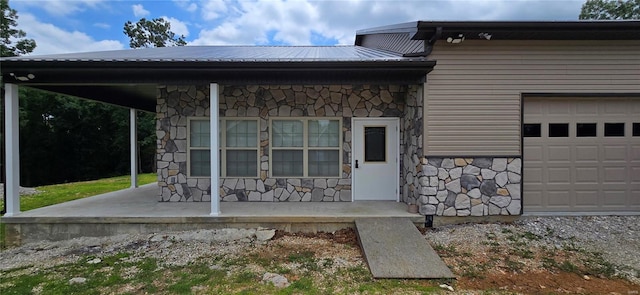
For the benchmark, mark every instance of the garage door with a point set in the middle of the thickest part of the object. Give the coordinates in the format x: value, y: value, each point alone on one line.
x: 581, y: 155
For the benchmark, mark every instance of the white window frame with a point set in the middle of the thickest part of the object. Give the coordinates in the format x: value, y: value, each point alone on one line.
x: 222, y: 137
x: 305, y: 146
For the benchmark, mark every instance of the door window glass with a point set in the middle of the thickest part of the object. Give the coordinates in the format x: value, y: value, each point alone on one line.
x: 531, y: 130
x: 586, y: 129
x: 558, y: 130
x: 613, y: 129
x: 375, y: 145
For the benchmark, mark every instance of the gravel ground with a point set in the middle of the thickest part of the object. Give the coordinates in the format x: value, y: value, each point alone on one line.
x: 617, y: 237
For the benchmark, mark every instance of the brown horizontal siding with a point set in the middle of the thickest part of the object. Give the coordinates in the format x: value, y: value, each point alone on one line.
x: 473, y: 96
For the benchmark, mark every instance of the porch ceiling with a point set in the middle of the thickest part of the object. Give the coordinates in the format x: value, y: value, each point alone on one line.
x: 129, y: 77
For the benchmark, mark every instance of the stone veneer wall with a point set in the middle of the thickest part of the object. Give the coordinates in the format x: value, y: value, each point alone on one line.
x: 470, y: 186
x: 411, y: 146
x: 176, y: 103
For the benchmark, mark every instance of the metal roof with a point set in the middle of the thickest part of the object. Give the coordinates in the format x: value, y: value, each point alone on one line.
x: 224, y: 54
x: 515, y: 30
x: 129, y: 77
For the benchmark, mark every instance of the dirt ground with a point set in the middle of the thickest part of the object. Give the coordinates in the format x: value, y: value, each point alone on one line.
x: 530, y: 276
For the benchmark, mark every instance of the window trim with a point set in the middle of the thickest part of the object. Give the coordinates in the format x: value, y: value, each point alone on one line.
x: 222, y: 141
x: 305, y: 145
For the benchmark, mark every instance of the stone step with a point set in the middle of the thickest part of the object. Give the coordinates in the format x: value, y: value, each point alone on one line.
x: 394, y: 248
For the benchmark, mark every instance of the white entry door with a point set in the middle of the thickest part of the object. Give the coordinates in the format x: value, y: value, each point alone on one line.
x: 374, y: 165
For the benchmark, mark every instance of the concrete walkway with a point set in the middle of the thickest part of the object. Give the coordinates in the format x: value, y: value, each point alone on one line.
x: 143, y: 202
x: 394, y: 248
x: 138, y: 211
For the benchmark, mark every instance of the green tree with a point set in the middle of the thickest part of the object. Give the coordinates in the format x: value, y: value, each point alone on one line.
x: 144, y: 34
x: 12, y: 40
x: 610, y: 9
x: 152, y: 33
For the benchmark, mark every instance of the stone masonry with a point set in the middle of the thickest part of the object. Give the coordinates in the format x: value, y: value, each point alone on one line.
x: 470, y: 186
x: 177, y: 103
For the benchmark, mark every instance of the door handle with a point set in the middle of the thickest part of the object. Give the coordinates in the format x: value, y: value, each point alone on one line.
x: 356, y: 163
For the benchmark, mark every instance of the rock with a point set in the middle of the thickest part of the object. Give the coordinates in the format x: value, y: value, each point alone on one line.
x: 499, y: 164
x: 77, y: 280
x: 500, y: 201
x: 455, y: 173
x: 454, y: 186
x: 446, y: 287
x: 515, y: 165
x: 429, y: 170
x: 462, y: 201
x: 488, y: 187
x: 487, y: 173
x: 482, y: 162
x: 264, y: 234
x: 470, y: 169
x: 277, y: 280
x: 586, y: 277
x: 502, y: 178
x: 94, y: 261
x: 469, y: 182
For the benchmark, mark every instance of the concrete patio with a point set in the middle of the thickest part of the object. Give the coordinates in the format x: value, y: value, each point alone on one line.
x: 138, y: 211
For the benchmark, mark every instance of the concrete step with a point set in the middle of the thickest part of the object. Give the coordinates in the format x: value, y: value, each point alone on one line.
x: 394, y: 248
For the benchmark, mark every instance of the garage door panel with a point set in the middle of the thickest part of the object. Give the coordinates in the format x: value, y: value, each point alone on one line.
x: 558, y: 107
x: 559, y: 175
x: 634, y: 200
x: 586, y: 153
x: 635, y: 153
x: 558, y: 198
x: 586, y: 198
x: 635, y: 174
x: 558, y: 153
x: 615, y: 153
x: 533, y: 154
x: 615, y: 198
x: 533, y: 176
x: 586, y: 173
x: 614, y: 108
x: 587, y: 108
x: 615, y: 174
x: 534, y: 196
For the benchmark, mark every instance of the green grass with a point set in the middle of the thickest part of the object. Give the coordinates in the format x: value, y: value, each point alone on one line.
x: 59, y: 193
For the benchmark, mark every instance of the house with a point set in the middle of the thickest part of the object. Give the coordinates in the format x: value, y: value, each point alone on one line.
x: 461, y: 118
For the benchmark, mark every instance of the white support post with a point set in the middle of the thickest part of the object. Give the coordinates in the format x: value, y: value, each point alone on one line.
x: 215, y: 161
x: 134, y: 147
x: 12, y: 187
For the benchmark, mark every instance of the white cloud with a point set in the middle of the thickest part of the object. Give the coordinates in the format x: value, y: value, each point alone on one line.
x: 213, y: 9
x: 295, y: 22
x: 177, y: 26
x: 51, y: 39
x: 186, y: 5
x: 102, y: 25
x: 62, y: 7
x: 139, y: 11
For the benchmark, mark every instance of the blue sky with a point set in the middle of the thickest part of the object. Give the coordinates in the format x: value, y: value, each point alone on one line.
x: 62, y: 26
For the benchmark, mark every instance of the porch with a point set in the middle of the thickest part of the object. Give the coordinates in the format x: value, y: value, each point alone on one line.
x: 137, y: 210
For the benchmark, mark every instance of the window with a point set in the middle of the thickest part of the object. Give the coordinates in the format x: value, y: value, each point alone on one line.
x: 305, y: 147
x: 238, y: 139
x: 239, y: 148
x: 558, y: 130
x: 531, y: 130
x: 199, y: 148
x: 636, y: 129
x: 614, y: 129
x: 586, y: 129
